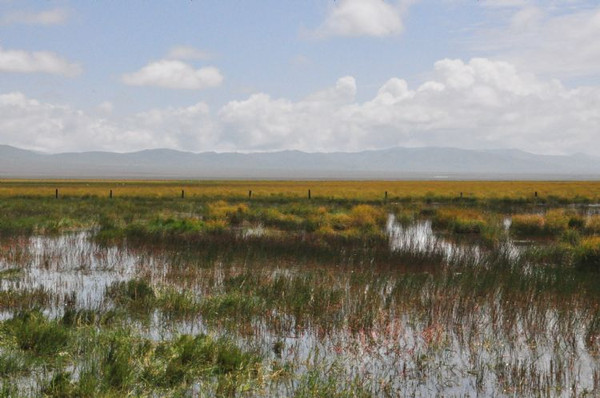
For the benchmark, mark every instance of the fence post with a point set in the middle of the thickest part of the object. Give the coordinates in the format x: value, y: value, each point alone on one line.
x: 250, y: 194
x: 110, y: 194
x: 461, y: 195
x: 182, y: 194
x: 385, y: 196
x: 309, y: 194
x: 56, y: 193
x: 535, y: 194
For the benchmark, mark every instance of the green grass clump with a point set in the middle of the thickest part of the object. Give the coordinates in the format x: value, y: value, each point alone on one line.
x: 587, y: 254
x: 527, y: 225
x: 576, y: 221
x: 171, y: 226
x: 12, y: 364
x: 553, y: 223
x: 307, y: 296
x: 230, y: 305
x: 10, y: 273
x: 557, y: 221
x: 136, y: 295
x: 571, y: 237
x: 73, y: 317
x: 177, y: 304
x: 34, y: 333
x: 61, y: 385
x: 191, y: 357
x: 25, y: 299
x: 319, y: 382
x: 592, y: 224
x: 367, y: 217
x: 460, y: 221
x: 118, y: 362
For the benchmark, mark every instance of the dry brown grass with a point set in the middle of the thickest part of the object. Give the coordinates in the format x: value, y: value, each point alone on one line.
x: 360, y: 190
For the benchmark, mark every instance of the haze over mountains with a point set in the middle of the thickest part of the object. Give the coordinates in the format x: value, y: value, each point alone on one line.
x: 394, y: 163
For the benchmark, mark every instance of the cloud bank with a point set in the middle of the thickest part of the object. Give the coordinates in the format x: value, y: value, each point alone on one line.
x: 480, y: 103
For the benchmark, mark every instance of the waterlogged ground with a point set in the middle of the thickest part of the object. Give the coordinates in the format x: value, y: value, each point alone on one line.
x: 439, y: 316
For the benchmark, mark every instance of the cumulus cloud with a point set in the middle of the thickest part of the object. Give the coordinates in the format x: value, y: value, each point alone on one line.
x: 57, y: 16
x: 480, y: 103
x: 363, y: 18
x: 476, y: 104
x: 19, y: 61
x: 33, y: 124
x: 174, y: 74
x: 264, y: 123
x: 186, y: 128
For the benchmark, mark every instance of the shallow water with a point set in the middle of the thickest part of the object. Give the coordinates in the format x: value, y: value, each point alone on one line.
x: 419, y: 237
x: 436, y: 346
x: 72, y: 266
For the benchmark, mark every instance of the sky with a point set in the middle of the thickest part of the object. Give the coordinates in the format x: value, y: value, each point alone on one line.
x: 310, y: 75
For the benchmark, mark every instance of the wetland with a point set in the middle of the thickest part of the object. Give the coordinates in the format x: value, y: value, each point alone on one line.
x: 284, y: 296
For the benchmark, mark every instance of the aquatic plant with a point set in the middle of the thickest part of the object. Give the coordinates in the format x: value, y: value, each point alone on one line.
x: 587, y: 254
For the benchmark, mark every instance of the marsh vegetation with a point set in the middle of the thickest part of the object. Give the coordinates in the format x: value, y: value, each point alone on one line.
x: 285, y: 296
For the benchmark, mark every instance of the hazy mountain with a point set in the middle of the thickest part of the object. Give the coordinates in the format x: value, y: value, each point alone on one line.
x: 394, y: 163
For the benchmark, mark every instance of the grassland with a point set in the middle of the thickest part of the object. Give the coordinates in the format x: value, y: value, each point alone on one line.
x: 343, y: 295
x: 568, y: 191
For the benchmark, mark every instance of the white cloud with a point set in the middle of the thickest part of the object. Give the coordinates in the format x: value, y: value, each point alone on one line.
x: 363, y: 18
x: 552, y: 41
x: 263, y: 123
x: 174, y: 74
x: 186, y: 128
x: 57, y: 16
x: 33, y: 124
x: 481, y: 103
x: 526, y: 18
x: 187, y: 52
x: 478, y: 104
x: 19, y: 61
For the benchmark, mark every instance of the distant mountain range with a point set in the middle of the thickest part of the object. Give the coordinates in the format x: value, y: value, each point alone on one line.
x: 394, y: 163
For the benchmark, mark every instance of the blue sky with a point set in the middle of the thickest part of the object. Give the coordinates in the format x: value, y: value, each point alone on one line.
x: 314, y: 75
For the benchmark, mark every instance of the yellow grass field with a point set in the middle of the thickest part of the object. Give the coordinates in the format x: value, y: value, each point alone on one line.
x: 360, y: 190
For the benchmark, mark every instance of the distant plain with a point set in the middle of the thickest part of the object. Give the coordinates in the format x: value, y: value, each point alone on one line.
x: 577, y: 191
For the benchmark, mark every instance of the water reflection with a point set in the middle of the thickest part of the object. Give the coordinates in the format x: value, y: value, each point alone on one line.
x: 419, y: 237
x: 73, y: 267
x: 426, y: 340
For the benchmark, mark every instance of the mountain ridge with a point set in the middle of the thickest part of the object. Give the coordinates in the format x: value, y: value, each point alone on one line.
x: 390, y: 163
